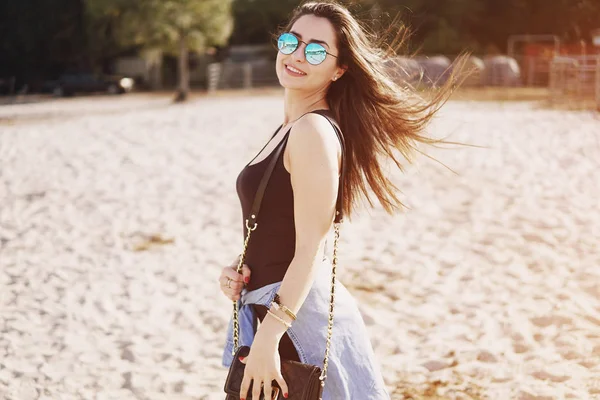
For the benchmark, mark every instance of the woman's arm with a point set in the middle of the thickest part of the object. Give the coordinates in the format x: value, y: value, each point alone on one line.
x: 314, y: 155
x: 314, y: 162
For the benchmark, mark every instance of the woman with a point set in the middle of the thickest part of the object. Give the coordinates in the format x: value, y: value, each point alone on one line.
x: 327, y: 63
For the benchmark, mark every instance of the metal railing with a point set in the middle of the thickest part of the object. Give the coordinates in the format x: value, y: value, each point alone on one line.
x: 566, y: 76
x: 244, y: 75
x: 423, y: 70
x: 575, y: 77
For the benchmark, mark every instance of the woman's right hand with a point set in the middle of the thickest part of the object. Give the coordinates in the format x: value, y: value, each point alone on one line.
x: 237, y: 280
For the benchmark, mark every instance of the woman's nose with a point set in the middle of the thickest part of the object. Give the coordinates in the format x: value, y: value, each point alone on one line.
x: 298, y: 54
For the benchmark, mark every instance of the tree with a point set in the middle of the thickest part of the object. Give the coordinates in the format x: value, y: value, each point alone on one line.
x: 255, y: 20
x: 173, y: 26
x: 39, y: 39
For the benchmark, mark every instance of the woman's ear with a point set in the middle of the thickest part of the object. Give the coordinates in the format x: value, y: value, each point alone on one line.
x: 339, y: 72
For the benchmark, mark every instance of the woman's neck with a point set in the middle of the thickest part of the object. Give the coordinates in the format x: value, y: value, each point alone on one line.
x: 298, y: 103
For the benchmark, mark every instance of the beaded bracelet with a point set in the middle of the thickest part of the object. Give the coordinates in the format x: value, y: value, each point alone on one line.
x: 278, y: 306
x: 287, y: 324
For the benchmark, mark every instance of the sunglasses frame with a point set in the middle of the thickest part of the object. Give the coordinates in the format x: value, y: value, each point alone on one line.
x: 305, y: 47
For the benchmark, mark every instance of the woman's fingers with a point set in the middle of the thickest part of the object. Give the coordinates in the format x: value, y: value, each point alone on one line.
x: 246, y: 273
x: 256, y: 388
x: 282, y: 384
x: 267, y: 389
x: 236, y: 286
x: 232, y: 282
x: 232, y: 274
x: 264, y: 385
x: 244, y: 388
x: 231, y: 294
x: 224, y: 289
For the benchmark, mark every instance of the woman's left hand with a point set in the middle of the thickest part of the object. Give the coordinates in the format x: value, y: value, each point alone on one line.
x: 263, y: 366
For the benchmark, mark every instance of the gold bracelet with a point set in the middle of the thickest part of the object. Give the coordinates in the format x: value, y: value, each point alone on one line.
x: 276, y: 303
x: 287, y: 324
x: 283, y: 308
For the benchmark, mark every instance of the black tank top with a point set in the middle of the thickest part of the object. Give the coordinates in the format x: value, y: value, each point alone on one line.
x: 273, y: 243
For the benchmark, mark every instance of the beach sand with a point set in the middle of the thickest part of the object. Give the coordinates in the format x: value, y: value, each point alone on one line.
x: 118, y: 213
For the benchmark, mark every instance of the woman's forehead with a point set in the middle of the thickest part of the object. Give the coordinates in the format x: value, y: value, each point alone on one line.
x: 310, y: 27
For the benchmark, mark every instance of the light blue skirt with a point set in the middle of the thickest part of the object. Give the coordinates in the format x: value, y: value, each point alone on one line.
x: 353, y: 372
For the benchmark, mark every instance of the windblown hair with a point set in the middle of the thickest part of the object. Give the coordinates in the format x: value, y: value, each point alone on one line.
x: 378, y: 115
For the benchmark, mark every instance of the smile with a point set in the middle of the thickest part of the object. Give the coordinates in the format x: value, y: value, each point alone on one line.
x: 294, y: 70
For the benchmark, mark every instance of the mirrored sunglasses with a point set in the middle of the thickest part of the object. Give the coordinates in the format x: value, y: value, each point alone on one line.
x: 315, y: 53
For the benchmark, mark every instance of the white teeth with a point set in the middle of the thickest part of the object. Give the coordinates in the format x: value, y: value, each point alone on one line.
x: 294, y: 70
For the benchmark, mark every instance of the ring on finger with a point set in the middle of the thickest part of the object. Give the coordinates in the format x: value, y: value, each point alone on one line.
x: 229, y: 282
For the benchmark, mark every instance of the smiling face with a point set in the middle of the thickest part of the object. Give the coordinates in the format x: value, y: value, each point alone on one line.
x: 294, y: 72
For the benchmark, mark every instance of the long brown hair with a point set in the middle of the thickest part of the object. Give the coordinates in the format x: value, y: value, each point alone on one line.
x: 377, y: 114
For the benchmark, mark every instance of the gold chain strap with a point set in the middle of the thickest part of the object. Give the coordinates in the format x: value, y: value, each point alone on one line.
x: 236, y: 329
x: 331, y: 304
x: 236, y: 322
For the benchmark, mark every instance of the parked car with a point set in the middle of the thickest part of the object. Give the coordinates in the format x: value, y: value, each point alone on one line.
x: 69, y: 84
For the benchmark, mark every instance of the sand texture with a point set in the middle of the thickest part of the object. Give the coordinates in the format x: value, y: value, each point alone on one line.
x: 117, y: 214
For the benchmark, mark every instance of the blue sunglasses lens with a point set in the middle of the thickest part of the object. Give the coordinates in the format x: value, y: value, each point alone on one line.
x: 315, y: 53
x: 287, y: 43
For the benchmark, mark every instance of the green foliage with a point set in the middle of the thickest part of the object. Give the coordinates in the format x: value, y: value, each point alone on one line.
x: 161, y: 23
x: 40, y: 38
x: 440, y: 26
x: 255, y: 20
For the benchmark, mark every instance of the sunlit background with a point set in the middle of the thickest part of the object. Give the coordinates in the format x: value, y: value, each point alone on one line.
x: 124, y: 124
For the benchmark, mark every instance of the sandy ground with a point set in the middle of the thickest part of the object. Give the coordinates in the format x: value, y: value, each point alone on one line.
x: 117, y: 214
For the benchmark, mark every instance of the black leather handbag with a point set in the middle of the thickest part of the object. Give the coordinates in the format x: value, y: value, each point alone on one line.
x: 305, y: 381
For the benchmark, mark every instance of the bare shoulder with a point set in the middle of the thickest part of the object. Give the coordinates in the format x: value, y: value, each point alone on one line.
x: 314, y: 140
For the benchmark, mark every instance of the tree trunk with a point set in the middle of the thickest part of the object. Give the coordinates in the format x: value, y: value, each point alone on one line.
x: 184, y: 73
